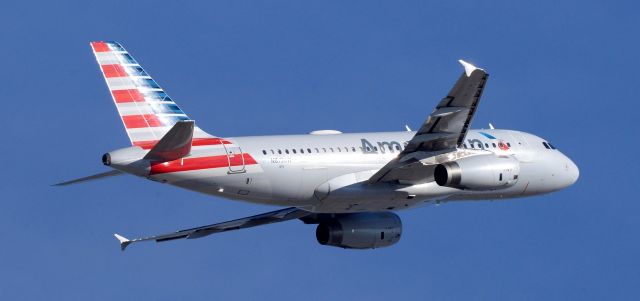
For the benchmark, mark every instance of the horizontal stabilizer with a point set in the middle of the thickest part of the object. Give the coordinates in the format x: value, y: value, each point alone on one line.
x: 175, y: 144
x: 90, y: 178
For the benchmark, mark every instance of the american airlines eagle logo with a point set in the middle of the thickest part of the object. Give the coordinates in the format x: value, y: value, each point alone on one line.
x: 501, y: 144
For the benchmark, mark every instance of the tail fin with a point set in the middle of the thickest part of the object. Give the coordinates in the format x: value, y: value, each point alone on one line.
x: 147, y: 112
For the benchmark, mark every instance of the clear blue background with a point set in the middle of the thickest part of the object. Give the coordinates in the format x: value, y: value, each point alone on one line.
x: 565, y: 70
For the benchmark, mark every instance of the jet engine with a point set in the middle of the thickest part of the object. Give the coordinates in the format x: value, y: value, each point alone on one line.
x: 360, y: 230
x: 483, y: 172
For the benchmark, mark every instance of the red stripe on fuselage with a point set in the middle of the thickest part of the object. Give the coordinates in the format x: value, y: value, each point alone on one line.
x: 100, y: 46
x: 149, y: 144
x: 188, y: 164
x: 141, y: 121
x: 131, y: 95
x: 114, y: 70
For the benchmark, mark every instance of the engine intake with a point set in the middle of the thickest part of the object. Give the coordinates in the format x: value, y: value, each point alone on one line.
x: 360, y: 230
x: 483, y: 172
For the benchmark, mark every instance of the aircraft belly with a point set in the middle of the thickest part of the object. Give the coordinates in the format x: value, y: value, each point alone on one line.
x: 351, y: 193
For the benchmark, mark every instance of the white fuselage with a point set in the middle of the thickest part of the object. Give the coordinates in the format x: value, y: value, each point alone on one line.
x: 328, y: 172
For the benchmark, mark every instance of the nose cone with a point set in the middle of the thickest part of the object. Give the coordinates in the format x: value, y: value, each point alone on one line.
x: 573, y: 173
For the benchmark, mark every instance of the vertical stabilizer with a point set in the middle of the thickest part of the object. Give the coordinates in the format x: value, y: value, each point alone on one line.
x: 146, y: 110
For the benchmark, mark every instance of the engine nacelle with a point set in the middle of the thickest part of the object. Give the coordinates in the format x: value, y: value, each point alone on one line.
x: 360, y: 230
x: 483, y: 172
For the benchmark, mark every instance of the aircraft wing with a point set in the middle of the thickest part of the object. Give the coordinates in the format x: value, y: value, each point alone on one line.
x: 247, y: 222
x: 442, y: 132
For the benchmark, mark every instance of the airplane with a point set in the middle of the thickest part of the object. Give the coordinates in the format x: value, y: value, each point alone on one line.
x: 348, y: 184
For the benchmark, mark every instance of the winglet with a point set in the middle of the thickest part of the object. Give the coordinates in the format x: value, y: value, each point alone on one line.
x: 124, y: 242
x: 468, y: 68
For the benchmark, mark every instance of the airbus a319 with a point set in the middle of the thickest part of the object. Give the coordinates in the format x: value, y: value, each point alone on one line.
x: 350, y: 185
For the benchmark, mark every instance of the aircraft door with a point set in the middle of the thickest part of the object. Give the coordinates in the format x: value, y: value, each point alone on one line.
x: 235, y: 158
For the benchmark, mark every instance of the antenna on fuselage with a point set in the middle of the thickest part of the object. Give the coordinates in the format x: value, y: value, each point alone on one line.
x: 491, y: 126
x: 407, y: 127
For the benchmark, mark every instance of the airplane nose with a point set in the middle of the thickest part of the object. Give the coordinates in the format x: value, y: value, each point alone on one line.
x: 573, y: 171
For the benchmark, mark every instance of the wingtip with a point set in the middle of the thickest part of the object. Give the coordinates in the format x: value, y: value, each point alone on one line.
x: 468, y: 67
x: 124, y: 242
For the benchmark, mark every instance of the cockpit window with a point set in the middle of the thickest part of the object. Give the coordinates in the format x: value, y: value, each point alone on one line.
x: 551, y: 145
x: 545, y: 145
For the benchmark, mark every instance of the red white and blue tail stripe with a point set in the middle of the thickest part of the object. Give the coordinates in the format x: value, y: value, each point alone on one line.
x: 147, y: 112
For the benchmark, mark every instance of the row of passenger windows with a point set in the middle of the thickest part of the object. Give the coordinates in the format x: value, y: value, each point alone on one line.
x: 486, y: 145
x: 318, y: 150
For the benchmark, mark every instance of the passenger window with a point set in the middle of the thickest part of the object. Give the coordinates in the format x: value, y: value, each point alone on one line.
x: 324, y: 150
x: 294, y: 151
x: 479, y: 145
x: 353, y: 149
x: 464, y: 145
x: 280, y: 152
x: 545, y: 145
x: 486, y: 145
x: 390, y: 148
x: 397, y: 147
x: 368, y: 149
x: 346, y: 149
x: 308, y: 150
x: 286, y: 151
x: 339, y: 150
x: 317, y: 150
x: 264, y: 152
x: 272, y: 152
x: 302, y: 150
x: 494, y: 145
x: 375, y: 148
x: 508, y: 144
x: 331, y: 149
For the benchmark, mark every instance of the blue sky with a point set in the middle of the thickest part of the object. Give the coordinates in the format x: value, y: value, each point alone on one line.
x: 565, y: 70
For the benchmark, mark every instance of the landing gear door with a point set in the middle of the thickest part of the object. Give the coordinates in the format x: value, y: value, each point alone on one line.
x: 235, y: 158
